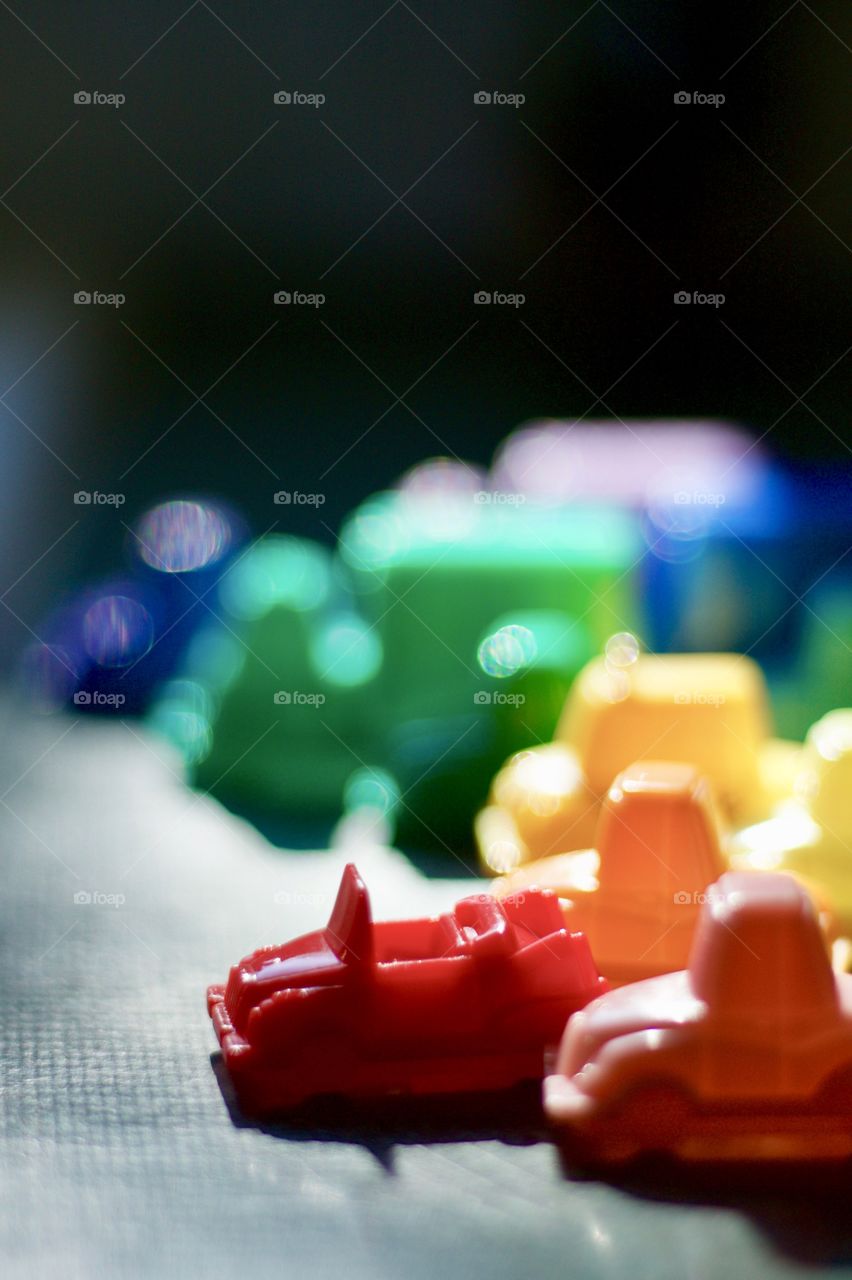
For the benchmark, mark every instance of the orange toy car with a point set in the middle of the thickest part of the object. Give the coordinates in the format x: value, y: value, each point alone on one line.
x: 638, y: 895
x: 747, y: 1054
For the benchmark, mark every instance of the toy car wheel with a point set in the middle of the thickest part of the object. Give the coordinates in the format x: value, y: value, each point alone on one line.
x: 649, y: 1120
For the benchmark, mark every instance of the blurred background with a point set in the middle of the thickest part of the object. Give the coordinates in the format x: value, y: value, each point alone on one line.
x: 199, y: 197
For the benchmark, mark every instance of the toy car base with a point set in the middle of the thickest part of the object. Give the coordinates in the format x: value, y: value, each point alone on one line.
x: 466, y: 1001
x: 637, y: 896
x: 747, y: 1054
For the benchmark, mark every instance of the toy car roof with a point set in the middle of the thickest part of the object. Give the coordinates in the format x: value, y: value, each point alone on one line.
x: 708, y: 708
x: 759, y: 950
x: 678, y: 678
x: 658, y: 823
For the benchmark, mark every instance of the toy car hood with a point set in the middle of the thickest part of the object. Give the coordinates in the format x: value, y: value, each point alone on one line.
x: 320, y: 958
x: 656, y: 1004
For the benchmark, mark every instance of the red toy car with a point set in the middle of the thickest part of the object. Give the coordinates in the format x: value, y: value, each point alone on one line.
x: 463, y: 1001
x: 747, y: 1054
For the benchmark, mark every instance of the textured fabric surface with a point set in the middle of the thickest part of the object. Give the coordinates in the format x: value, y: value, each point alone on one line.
x: 120, y: 1155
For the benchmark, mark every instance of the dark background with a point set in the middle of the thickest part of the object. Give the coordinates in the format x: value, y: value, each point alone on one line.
x: 693, y: 197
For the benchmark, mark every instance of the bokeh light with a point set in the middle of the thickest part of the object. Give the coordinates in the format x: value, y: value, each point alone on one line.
x: 831, y: 737
x: 374, y: 535
x: 183, y: 716
x: 371, y: 789
x: 621, y: 650
x: 507, y: 651
x: 679, y: 512
x: 616, y: 685
x: 117, y: 631
x: 438, y: 478
x: 215, y: 656
x: 279, y: 571
x: 546, y: 776
x: 438, y: 497
x: 182, y: 536
x: 346, y: 651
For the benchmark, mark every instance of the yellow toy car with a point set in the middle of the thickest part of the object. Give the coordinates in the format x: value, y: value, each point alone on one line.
x: 810, y: 833
x: 708, y: 710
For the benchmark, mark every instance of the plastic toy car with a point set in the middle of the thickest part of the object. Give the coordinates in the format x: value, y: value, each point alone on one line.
x: 731, y: 531
x: 638, y: 895
x: 435, y: 573
x: 466, y: 1001
x: 105, y: 647
x: 399, y: 653
x: 287, y: 714
x: 710, y: 710
x: 747, y: 1054
x: 811, y: 834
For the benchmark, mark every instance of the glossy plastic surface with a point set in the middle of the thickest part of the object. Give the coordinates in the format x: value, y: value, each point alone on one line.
x: 444, y: 580
x: 638, y: 894
x: 811, y: 834
x: 709, y: 710
x: 465, y: 1001
x: 747, y: 1054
